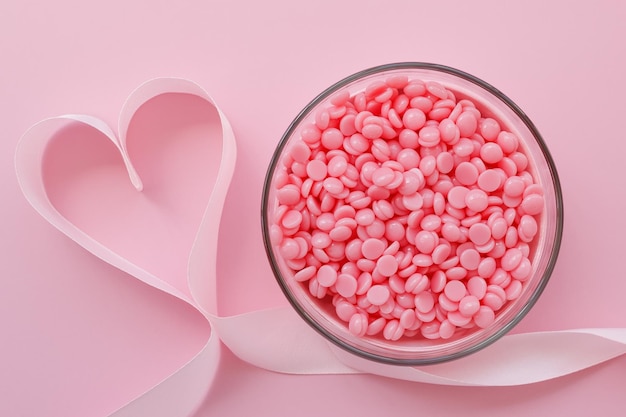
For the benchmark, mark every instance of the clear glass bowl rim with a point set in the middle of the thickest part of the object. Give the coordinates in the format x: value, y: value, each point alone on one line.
x: 481, y: 84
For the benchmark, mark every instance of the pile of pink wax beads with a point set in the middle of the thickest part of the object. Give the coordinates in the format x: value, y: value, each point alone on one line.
x: 408, y: 209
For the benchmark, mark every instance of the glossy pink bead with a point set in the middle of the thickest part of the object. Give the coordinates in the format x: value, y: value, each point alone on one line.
x: 476, y: 200
x: 489, y: 180
x: 387, y: 265
x: 466, y: 173
x: 373, y: 248
x: 457, y: 195
x: 479, y: 233
x: 414, y: 119
x: 491, y: 153
x: 484, y: 317
x: 469, y: 305
x: 378, y: 294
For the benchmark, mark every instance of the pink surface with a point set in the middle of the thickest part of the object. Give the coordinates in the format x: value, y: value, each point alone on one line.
x: 82, y: 338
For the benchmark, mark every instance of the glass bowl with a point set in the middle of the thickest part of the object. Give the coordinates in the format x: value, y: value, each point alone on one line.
x: 317, y: 306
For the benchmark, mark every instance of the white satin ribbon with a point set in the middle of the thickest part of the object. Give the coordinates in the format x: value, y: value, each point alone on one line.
x: 278, y: 339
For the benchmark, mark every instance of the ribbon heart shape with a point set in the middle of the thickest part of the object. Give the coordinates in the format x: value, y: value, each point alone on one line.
x: 154, y: 205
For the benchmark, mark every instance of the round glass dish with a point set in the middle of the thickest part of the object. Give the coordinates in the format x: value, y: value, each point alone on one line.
x: 416, y: 350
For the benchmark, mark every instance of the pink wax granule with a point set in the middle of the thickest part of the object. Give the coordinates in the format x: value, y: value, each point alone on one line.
x: 410, y: 212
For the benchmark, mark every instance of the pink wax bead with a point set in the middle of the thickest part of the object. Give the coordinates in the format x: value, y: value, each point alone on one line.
x: 353, y: 250
x: 470, y: 259
x: 520, y: 160
x: 426, y: 318
x: 514, y: 186
x: 462, y: 150
x: 414, y: 119
x: 383, y: 176
x: 413, y: 202
x: 523, y: 270
x: 440, y: 254
x: 480, y: 233
x: 424, y: 302
x: 532, y: 204
x: 477, y: 287
x: 425, y: 241
x: 439, y: 203
x: 337, y: 166
x: 365, y: 217
x: 396, y: 284
x: 415, y: 88
x: 332, y: 138
x: 469, y: 305
x: 305, y: 274
x: 411, y: 182
x: 383, y: 209
x: 513, y: 290
x: 484, y: 317
x: 394, y: 230
x: 408, y: 318
x: 317, y: 290
x: 489, y: 180
x: 393, y: 331
x: 457, y: 195
x: 340, y: 233
x: 276, y: 234
x: 507, y: 141
x: 289, y: 194
x: 375, y: 230
x: 333, y: 185
x: 499, y: 228
x: 316, y: 170
x: 491, y: 153
x: 358, y: 324
x: 449, y: 131
x: 511, y: 259
x: 446, y: 329
x: 458, y: 319
x: 429, y: 136
x: 412, y: 213
x: 311, y: 133
x: 445, y: 162
x: 408, y: 138
x: 467, y: 124
x: 431, y: 222
x: 345, y: 212
x: 438, y: 281
x: 456, y: 273
x: 436, y: 89
x: 416, y: 283
x: 408, y: 158
x: 487, y: 267
x: 378, y: 294
x: 466, y: 173
x: 489, y: 129
x: 345, y: 310
x: 527, y: 228
x: 373, y: 248
x: 387, y: 265
x: 300, y: 152
x: 372, y: 131
x: 428, y: 164
x: 289, y: 248
x: 451, y: 232
x: 476, y: 200
x: 292, y: 219
x: 493, y: 301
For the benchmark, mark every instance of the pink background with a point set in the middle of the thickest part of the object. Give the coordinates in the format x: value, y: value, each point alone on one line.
x: 81, y: 338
